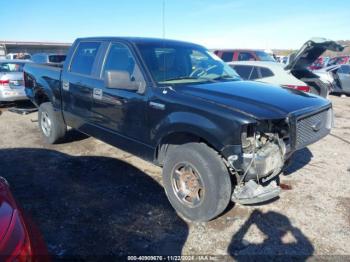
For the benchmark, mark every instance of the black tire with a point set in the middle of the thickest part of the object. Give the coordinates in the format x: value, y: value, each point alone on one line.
x: 213, y: 174
x: 58, y: 127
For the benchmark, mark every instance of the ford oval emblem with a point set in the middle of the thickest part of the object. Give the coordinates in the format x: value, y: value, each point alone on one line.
x: 317, y: 126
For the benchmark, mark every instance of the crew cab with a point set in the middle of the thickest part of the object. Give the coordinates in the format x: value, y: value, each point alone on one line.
x: 218, y: 138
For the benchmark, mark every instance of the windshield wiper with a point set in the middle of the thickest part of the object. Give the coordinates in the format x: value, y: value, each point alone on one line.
x: 188, y: 78
x: 224, y: 77
x: 179, y: 78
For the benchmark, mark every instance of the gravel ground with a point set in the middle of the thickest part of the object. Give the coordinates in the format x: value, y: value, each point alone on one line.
x: 89, y: 198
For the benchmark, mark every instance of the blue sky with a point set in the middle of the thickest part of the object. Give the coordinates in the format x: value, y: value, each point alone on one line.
x: 220, y: 23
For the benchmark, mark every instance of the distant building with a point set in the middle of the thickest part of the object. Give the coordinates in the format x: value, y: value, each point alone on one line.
x: 7, y: 47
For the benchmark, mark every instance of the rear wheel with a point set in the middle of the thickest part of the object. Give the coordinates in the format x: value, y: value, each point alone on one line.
x: 196, y: 181
x: 51, y: 123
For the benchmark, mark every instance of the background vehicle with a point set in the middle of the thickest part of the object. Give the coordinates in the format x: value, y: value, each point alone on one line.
x: 319, y: 63
x: 11, y: 80
x: 281, y: 59
x: 181, y: 107
x: 19, y: 240
x: 338, y: 60
x: 267, y: 72
x: 307, y: 54
x: 337, y: 77
x: 24, y: 56
x: 50, y: 59
x: 296, y: 74
x: 2, y: 52
x: 228, y: 55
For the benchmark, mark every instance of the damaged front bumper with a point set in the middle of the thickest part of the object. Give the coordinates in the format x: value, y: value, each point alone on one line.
x: 253, y: 193
x: 266, y: 147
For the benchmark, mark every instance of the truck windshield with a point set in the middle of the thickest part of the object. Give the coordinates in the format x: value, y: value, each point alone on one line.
x: 180, y: 64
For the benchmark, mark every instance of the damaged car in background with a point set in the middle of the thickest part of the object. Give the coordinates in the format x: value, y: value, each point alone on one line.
x: 337, y: 77
x: 218, y: 138
x: 296, y: 75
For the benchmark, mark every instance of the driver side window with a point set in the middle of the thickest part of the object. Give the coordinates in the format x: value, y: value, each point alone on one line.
x: 119, y: 58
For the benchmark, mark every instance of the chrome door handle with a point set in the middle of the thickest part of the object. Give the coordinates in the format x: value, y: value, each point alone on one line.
x: 65, y: 86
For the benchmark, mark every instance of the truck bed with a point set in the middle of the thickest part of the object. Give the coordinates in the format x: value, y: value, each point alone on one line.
x: 47, y: 78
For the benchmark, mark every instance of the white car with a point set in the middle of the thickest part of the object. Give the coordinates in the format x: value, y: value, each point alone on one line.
x: 295, y: 74
x: 268, y: 72
x: 12, y: 56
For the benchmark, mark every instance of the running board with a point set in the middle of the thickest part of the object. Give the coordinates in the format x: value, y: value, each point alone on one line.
x: 253, y: 193
x: 22, y: 111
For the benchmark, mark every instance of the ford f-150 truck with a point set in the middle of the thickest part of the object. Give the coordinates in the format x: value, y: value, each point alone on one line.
x: 218, y: 138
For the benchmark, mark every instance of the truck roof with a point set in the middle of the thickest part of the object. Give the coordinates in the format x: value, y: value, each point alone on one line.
x: 137, y: 40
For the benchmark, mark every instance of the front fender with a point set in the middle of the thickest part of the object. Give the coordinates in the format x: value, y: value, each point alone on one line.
x: 191, y: 123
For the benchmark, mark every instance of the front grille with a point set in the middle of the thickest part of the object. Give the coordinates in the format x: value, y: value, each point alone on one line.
x: 312, y: 128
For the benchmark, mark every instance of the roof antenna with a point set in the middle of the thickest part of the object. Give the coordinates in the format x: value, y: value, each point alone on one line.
x: 163, y: 19
x: 163, y: 33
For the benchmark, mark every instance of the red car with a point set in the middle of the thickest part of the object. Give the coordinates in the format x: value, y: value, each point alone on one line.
x: 229, y: 55
x: 318, y: 64
x: 339, y: 60
x: 19, y: 239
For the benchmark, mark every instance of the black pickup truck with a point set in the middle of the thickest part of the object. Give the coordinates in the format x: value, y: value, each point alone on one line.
x: 218, y: 138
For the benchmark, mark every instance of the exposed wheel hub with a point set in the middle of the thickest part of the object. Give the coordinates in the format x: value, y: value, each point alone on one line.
x: 45, y: 123
x: 187, y: 185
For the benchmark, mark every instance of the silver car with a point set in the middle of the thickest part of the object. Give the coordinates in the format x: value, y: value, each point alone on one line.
x: 11, y: 80
x: 337, y: 77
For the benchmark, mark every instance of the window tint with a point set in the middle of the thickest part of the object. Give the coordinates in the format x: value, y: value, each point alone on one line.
x: 171, y: 63
x: 177, y: 64
x: 265, y: 72
x: 84, y: 58
x: 57, y: 58
x: 243, y: 71
x: 245, y: 56
x: 119, y: 58
x: 227, y: 56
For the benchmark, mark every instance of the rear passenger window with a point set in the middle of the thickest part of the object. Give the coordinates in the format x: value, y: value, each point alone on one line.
x: 84, y: 58
x: 254, y: 74
x: 243, y: 71
x: 265, y: 72
x: 227, y: 56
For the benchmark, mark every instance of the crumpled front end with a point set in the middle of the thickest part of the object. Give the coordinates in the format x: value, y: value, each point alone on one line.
x: 267, y: 145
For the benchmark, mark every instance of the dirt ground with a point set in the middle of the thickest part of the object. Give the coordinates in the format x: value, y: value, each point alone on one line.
x: 89, y: 198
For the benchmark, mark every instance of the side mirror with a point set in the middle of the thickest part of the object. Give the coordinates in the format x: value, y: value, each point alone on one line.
x: 120, y: 80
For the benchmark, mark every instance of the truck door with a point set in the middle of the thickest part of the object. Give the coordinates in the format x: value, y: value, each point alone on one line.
x: 119, y: 111
x: 78, y: 81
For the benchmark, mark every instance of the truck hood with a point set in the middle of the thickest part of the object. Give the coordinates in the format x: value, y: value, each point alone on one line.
x: 256, y: 100
x: 310, y: 51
